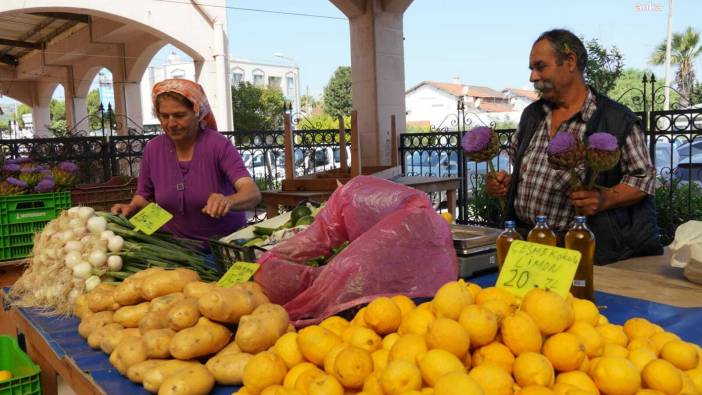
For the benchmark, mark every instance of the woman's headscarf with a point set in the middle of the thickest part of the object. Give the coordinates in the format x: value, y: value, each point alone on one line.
x: 193, y: 92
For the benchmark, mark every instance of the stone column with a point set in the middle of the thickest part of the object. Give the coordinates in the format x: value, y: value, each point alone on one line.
x: 377, y: 72
x: 80, y: 111
x: 133, y: 105
x: 41, y: 116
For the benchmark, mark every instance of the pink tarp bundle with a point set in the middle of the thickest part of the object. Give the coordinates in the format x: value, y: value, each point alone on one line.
x: 399, y: 245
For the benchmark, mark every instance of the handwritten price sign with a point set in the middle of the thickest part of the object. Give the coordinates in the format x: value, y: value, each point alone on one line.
x: 151, y: 218
x: 240, y: 272
x: 530, y: 265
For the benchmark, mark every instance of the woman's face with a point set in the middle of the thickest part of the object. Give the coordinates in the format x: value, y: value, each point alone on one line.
x: 178, y: 121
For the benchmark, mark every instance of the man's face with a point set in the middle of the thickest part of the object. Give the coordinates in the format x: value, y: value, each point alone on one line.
x: 549, y: 78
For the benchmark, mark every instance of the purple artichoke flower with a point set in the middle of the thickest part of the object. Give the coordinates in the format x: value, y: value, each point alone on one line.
x: 603, y: 153
x: 480, y: 144
x: 17, y: 182
x: 68, y: 167
x: 21, y: 160
x: 31, y: 175
x: 602, y: 141
x: 12, y: 186
x: 562, y: 142
x: 11, y: 168
x: 566, y: 152
x: 45, y: 185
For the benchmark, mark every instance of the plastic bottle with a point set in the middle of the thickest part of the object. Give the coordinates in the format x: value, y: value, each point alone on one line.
x: 541, y: 233
x: 580, y: 238
x: 504, y: 240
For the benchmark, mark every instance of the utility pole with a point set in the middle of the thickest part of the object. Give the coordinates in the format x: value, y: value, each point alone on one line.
x: 666, y: 82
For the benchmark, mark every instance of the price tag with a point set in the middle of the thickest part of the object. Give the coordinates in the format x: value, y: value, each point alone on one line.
x: 151, y: 218
x: 240, y: 272
x: 531, y: 265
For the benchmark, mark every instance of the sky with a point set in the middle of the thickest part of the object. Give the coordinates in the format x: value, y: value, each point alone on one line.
x: 482, y: 42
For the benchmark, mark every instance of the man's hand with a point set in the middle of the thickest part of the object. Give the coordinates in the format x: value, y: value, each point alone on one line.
x: 497, y: 184
x: 125, y: 209
x: 217, y: 205
x: 587, y: 202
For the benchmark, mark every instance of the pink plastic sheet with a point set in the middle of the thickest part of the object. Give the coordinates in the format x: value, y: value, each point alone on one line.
x: 399, y: 245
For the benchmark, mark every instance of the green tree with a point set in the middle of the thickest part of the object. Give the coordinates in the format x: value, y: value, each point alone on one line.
x: 57, y: 110
x: 628, y: 90
x: 337, y: 93
x: 257, y: 108
x: 322, y: 121
x: 93, y: 102
x: 21, y: 110
x: 685, y: 48
x: 604, y: 66
x: 308, y: 103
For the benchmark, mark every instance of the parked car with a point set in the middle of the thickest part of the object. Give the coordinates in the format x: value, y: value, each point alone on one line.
x: 689, y: 149
x: 690, y: 169
x: 666, y: 160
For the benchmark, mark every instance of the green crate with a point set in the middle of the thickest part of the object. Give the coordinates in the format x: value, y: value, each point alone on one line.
x: 22, y: 216
x: 25, y: 374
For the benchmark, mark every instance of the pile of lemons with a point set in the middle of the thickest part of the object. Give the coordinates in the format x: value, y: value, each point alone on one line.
x: 469, y: 340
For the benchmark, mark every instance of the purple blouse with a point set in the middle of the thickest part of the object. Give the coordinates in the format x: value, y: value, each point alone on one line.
x: 182, y: 188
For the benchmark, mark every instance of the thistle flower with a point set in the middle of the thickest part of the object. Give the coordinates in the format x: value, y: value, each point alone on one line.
x: 65, y: 175
x: 565, y: 152
x: 68, y: 166
x: 45, y: 185
x: 10, y: 169
x: 30, y: 175
x: 603, y: 154
x: 481, y: 144
x: 12, y: 186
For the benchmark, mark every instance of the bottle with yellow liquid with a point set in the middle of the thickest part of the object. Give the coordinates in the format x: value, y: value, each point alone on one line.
x: 504, y: 240
x: 580, y: 238
x: 541, y: 233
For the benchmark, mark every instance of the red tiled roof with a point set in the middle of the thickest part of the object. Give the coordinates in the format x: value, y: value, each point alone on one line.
x: 495, y: 107
x: 524, y: 93
x: 459, y: 89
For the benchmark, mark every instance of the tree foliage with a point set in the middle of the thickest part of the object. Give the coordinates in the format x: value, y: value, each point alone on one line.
x: 337, y: 93
x: 322, y: 121
x: 257, y: 108
x: 93, y: 102
x: 685, y: 48
x: 628, y: 90
x: 21, y: 110
x: 308, y: 103
x: 604, y: 66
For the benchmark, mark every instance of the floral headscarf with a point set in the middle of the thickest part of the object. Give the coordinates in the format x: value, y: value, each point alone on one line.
x: 193, y: 92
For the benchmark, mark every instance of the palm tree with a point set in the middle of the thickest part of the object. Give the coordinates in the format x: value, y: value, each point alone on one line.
x: 685, y: 49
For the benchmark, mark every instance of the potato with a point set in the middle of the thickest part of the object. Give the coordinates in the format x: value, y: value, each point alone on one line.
x: 231, y: 348
x: 164, y: 303
x: 196, y: 289
x: 228, y: 369
x: 166, y: 282
x: 136, y: 372
x: 157, y: 343
x: 108, y: 343
x: 101, y: 299
x: 81, y: 308
x: 127, y: 293
x: 202, y: 339
x: 93, y: 322
x: 226, y: 305
x: 259, y: 298
x: 153, y: 320
x: 262, y: 328
x: 97, y: 335
x: 183, y: 314
x: 129, y: 316
x: 154, y: 377
x: 130, y: 351
x: 250, y: 286
x: 193, y: 380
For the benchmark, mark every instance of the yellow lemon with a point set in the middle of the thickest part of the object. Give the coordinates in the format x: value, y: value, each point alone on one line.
x: 287, y: 349
x: 588, y: 335
x: 661, y: 375
x: 362, y: 337
x: 325, y: 385
x: 565, y: 351
x: 531, y: 368
x: 474, y: 289
x: 457, y: 383
x: 264, y: 370
x: 585, y: 366
x: 335, y: 324
x: 359, y: 318
x: 448, y: 217
x: 496, y: 354
x: 425, y: 305
x: 5, y: 375
x: 352, y: 366
x: 404, y: 303
x: 481, y: 324
x: 436, y: 363
x: 696, y: 376
x: 449, y: 335
x: 579, y: 380
x: 380, y: 359
x: 494, y: 293
x: 302, y: 384
x: 492, y: 379
x: 408, y: 347
x: 660, y: 339
x: 614, y: 350
x: 450, y: 299
x: 586, y: 311
x: 614, y: 334
x: 642, y: 342
x: 330, y: 358
x: 372, y: 384
x: 315, y: 342
x: 681, y: 354
x: 520, y: 333
x: 416, y: 321
x: 565, y: 389
x: 688, y: 386
x: 648, y: 391
x: 400, y: 376
x: 638, y: 327
x: 534, y: 390
x: 550, y: 311
x: 274, y: 390
x: 383, y: 315
x: 500, y: 308
x: 427, y: 391
x: 640, y: 357
x: 601, y: 320
x: 295, y: 372
x: 389, y: 340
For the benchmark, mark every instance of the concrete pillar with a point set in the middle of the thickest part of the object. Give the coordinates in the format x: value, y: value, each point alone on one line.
x: 377, y: 72
x: 133, y: 105
x: 120, y: 108
x: 223, y: 106
x: 41, y: 116
x: 80, y: 111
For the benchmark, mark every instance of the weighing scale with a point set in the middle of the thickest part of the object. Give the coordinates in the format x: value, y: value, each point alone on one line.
x: 475, y: 249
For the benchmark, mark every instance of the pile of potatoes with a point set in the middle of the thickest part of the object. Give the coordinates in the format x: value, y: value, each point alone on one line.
x: 172, y: 333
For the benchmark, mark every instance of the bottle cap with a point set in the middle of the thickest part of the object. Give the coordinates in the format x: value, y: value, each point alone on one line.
x: 509, y: 224
x: 541, y: 219
x: 580, y: 219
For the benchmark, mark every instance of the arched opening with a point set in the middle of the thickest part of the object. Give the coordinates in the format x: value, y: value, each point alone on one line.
x: 13, y: 114
x: 57, y: 113
x: 99, y: 102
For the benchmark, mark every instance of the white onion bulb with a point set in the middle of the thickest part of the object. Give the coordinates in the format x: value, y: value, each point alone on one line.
x: 114, y: 262
x: 72, y: 258
x: 85, y: 213
x: 97, y: 258
x: 92, y: 282
x: 82, y: 270
x: 115, y: 243
x: 97, y: 224
x: 106, y: 234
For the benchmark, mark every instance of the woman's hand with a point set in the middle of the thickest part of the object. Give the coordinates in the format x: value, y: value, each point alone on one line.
x: 125, y: 209
x: 217, y: 205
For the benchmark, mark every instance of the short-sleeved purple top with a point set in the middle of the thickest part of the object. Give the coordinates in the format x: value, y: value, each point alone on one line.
x: 182, y: 188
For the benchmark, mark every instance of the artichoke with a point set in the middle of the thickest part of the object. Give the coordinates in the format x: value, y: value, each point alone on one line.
x: 602, y: 152
x: 565, y: 152
x: 481, y: 144
x: 12, y: 186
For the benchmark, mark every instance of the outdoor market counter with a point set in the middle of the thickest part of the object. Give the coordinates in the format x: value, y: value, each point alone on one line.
x: 641, y: 287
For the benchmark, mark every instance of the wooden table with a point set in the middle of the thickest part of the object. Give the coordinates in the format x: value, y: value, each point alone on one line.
x: 10, y: 271
x: 273, y: 199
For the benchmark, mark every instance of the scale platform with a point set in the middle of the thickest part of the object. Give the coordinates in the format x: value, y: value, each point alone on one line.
x: 475, y: 249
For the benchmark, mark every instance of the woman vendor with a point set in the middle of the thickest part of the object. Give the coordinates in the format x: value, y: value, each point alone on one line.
x: 192, y: 171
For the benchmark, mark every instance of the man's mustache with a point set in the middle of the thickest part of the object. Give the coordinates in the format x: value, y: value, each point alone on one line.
x: 542, y: 85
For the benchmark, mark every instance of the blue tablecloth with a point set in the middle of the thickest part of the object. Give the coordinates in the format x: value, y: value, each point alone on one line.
x: 62, y: 334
